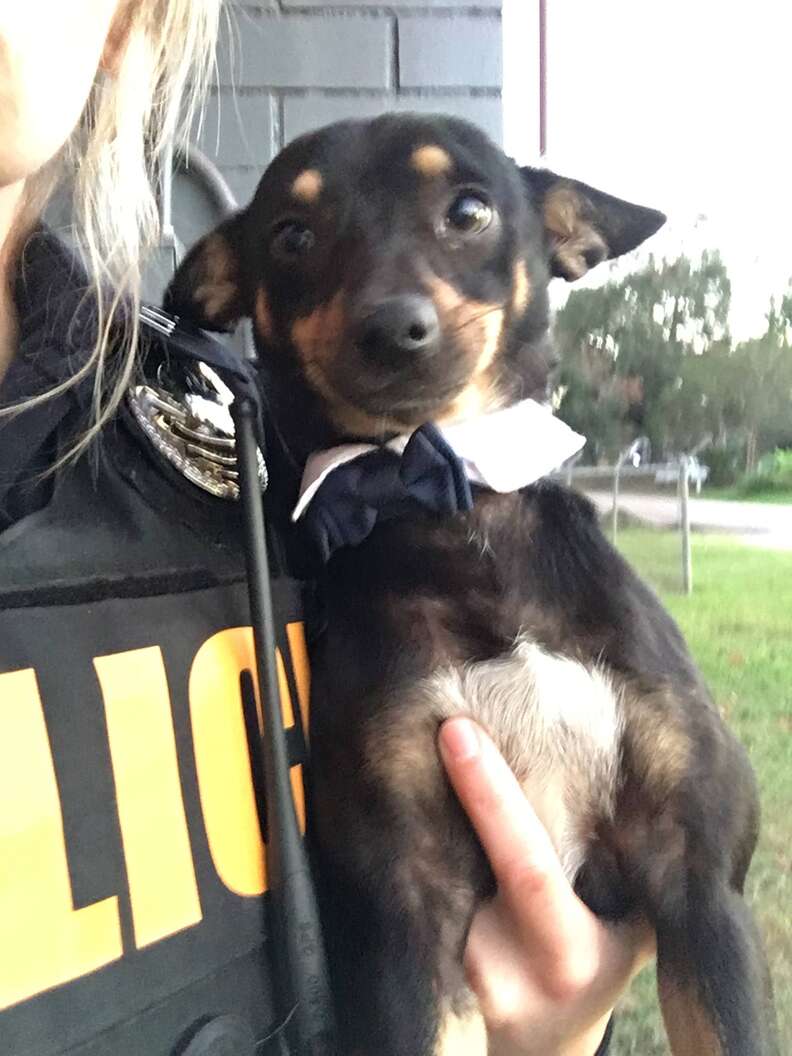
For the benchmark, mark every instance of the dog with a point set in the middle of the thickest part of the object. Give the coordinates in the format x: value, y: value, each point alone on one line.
x: 396, y: 272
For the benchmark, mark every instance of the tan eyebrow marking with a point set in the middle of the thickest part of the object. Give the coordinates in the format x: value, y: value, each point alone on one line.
x: 308, y: 185
x: 431, y: 161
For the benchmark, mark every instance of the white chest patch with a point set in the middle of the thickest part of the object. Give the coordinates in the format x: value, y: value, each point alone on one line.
x: 558, y: 725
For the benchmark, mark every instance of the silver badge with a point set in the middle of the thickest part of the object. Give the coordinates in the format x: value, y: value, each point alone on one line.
x: 194, y: 431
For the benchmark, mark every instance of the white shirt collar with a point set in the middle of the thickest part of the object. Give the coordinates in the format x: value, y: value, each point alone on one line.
x: 504, y: 451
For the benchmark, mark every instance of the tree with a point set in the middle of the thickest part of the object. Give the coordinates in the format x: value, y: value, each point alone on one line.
x: 651, y: 354
x: 763, y: 398
x: 700, y: 406
x: 627, y: 354
x: 779, y: 319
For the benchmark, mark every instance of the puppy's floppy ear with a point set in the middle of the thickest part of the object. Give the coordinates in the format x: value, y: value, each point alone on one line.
x: 584, y: 226
x: 206, y: 288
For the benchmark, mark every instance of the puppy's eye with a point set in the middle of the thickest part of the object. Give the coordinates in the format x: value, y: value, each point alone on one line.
x: 292, y: 240
x: 468, y: 214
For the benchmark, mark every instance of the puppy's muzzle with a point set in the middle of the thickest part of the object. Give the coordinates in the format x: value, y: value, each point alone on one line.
x: 399, y: 333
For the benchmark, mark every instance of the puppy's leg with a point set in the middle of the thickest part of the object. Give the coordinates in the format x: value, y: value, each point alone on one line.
x: 684, y: 832
x: 389, y: 947
x: 381, y: 980
x: 402, y: 875
x: 712, y: 977
x: 710, y: 964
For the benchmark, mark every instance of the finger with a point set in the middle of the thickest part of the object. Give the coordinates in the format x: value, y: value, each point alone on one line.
x: 626, y: 948
x: 522, y: 856
x: 515, y: 1001
x: 510, y: 832
x: 495, y: 967
x: 512, y: 989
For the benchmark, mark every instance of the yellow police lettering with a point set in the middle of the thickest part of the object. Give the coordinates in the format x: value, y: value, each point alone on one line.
x: 44, y: 940
x: 162, y: 886
x: 222, y: 758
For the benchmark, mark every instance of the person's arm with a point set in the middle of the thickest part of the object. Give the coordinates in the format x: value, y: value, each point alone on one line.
x: 546, y: 971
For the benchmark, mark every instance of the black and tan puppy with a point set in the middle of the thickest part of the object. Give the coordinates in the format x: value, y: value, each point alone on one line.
x: 396, y: 272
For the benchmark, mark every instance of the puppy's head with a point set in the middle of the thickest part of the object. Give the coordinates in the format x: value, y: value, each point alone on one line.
x: 396, y: 270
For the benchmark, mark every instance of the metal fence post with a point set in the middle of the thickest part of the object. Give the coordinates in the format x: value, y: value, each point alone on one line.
x: 684, y: 523
x: 615, y: 512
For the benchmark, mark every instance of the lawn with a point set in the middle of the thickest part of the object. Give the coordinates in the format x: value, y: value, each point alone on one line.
x: 734, y: 494
x: 738, y: 624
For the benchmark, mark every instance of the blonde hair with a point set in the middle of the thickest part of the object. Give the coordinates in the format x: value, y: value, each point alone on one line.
x: 115, y: 153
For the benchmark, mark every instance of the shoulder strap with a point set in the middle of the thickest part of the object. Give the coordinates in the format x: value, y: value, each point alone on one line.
x: 298, y: 953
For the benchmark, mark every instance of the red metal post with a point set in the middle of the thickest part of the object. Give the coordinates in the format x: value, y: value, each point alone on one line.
x: 542, y: 77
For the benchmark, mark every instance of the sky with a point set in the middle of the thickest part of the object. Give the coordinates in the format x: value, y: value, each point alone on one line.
x: 684, y: 105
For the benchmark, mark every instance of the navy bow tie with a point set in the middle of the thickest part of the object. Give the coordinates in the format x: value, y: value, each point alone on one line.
x: 380, y: 486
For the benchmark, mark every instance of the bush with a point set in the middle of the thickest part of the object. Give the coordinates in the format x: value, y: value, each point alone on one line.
x: 724, y: 463
x: 773, y: 474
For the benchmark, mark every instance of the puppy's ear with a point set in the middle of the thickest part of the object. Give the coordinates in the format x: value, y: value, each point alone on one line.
x: 206, y: 288
x: 584, y: 226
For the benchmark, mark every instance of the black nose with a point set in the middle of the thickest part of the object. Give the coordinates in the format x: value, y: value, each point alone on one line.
x: 399, y: 328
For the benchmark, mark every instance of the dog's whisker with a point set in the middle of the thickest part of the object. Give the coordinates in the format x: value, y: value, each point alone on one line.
x: 477, y: 318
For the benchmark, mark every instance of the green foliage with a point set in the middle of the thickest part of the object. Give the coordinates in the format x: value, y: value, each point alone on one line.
x: 725, y: 463
x: 763, y: 398
x: 650, y: 354
x: 773, y: 474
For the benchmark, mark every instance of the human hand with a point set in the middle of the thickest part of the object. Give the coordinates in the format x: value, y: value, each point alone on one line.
x: 545, y: 970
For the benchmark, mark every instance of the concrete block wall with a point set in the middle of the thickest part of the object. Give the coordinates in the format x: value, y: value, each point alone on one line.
x: 287, y: 66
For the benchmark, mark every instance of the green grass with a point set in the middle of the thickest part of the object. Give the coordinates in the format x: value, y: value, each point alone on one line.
x: 734, y: 494
x: 738, y: 624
